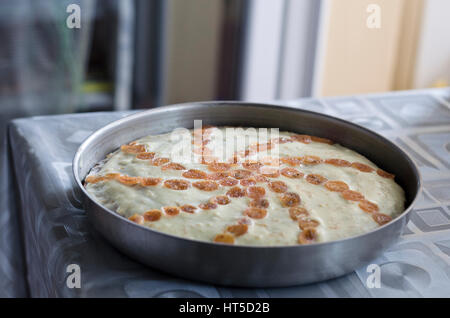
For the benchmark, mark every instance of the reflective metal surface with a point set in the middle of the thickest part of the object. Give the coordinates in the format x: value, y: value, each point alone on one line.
x: 245, y: 265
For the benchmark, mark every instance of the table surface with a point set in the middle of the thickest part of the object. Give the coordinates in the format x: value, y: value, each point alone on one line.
x: 52, y: 230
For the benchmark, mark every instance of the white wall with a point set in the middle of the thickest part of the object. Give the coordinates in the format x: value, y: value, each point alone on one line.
x: 297, y: 61
x: 433, y: 56
x: 192, y: 50
x: 262, y: 53
x: 280, y: 49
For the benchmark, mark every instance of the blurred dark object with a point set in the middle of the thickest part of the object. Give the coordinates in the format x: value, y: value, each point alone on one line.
x: 41, y: 59
x: 186, y: 51
x: 232, y: 49
x: 98, y: 85
x: 147, y: 83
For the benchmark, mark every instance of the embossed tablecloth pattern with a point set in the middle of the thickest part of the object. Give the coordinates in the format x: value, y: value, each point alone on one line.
x: 56, y: 232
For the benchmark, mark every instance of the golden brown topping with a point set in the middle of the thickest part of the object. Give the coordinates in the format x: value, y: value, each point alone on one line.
x: 173, y: 166
x: 259, y: 203
x: 293, y: 161
x: 315, y: 179
x: 236, y: 192
x: 267, y: 146
x: 270, y: 161
x: 176, y: 184
x: 282, y: 140
x: 338, y: 162
x: 152, y: 215
x: 206, y: 185
x: 278, y: 186
x: 219, y: 166
x: 221, y: 199
x: 134, y: 149
x: 94, y: 179
x: 362, y: 167
x: 171, y: 210
x: 202, y: 133
x: 238, y: 229
x: 198, y: 141
x: 352, y: 195
x: 261, y: 147
x: 208, y: 159
x: 228, y: 182
x: 306, y: 223
x: 259, y: 178
x: 111, y: 176
x: 245, y: 220
x: 159, y: 161
x: 322, y: 140
x: 368, y: 206
x: 188, y: 208
x: 306, y: 139
x: 224, y: 238
x: 208, y: 206
x: 240, y: 174
x: 385, y: 174
x: 234, y: 159
x: 290, y: 199
x: 195, y: 174
x: 253, y: 148
x: 248, y: 182
x: 199, y: 150
x: 145, y: 155
x: 297, y: 212
x: 136, y: 218
x: 307, y: 236
x: 255, y: 213
x: 147, y: 182
x: 255, y: 192
x: 252, y: 165
x: 206, y: 129
x: 204, y: 151
x: 127, y: 180
x: 217, y: 175
x: 336, y: 186
x: 381, y: 218
x: 311, y: 160
x: 270, y: 172
x: 247, y: 152
x: 291, y: 173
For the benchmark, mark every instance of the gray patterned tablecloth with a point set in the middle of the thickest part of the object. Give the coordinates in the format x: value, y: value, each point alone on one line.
x: 56, y: 232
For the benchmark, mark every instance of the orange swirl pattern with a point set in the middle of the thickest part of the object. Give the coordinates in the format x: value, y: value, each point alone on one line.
x: 249, y: 174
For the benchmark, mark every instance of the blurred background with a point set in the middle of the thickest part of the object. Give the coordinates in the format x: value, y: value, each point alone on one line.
x: 133, y: 54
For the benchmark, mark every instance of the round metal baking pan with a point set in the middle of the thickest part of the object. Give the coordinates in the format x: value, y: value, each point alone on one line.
x: 236, y: 265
